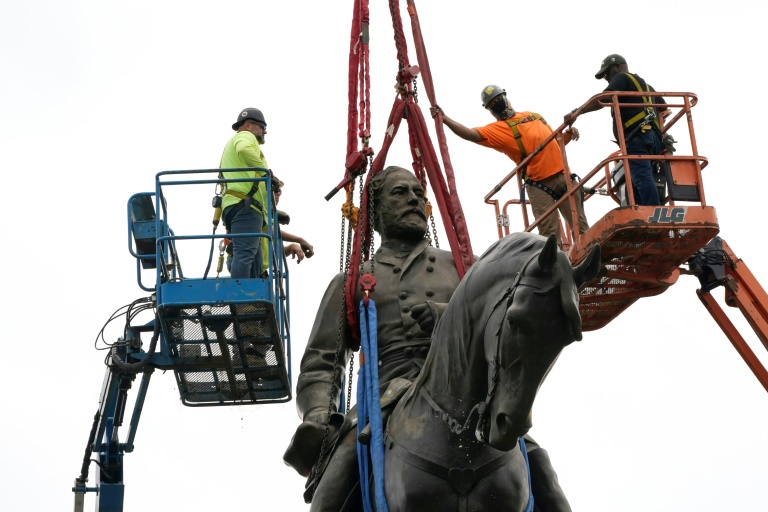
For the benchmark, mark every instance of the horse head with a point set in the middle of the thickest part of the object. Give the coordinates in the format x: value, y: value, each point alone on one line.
x: 535, y: 314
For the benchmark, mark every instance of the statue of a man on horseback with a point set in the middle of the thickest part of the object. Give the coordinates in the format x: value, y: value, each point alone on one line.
x: 414, y: 284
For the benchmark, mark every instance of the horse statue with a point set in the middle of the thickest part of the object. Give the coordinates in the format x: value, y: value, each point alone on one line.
x: 452, y: 441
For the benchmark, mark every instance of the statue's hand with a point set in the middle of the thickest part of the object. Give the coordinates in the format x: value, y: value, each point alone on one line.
x: 425, y: 315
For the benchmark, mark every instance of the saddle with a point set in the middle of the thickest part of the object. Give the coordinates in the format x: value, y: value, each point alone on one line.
x: 304, y: 449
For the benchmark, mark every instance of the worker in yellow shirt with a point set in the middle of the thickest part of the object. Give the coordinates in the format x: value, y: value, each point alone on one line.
x: 243, y: 203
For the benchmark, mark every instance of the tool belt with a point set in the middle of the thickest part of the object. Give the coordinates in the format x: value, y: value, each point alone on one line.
x: 555, y: 195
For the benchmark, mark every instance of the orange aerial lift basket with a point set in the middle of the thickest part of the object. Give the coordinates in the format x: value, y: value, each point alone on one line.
x: 642, y: 246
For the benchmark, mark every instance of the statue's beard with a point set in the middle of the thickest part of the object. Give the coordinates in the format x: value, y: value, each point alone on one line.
x: 411, y: 225
x: 408, y: 230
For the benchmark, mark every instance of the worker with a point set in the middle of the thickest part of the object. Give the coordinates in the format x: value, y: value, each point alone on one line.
x: 243, y: 202
x: 298, y: 247
x: 518, y: 134
x: 413, y: 285
x: 642, y: 134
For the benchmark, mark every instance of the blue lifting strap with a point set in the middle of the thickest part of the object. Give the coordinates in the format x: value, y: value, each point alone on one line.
x: 369, y: 410
x: 529, y: 508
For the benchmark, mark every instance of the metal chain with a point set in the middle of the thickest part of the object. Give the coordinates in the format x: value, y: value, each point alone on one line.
x: 362, y: 230
x: 349, y: 257
x: 344, y: 267
x: 434, y: 230
x: 415, y: 91
x: 341, y: 240
x: 349, y: 384
x: 332, y: 396
x: 370, y: 222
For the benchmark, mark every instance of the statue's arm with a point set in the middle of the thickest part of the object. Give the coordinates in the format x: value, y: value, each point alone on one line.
x: 313, y: 389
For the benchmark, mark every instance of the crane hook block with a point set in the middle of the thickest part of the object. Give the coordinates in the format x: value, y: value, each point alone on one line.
x: 355, y: 162
x: 367, y: 284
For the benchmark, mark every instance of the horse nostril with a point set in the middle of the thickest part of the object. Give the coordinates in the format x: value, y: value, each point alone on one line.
x: 503, y: 424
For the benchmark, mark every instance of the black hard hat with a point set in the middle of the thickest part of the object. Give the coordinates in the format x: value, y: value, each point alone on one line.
x: 609, y: 61
x: 249, y: 113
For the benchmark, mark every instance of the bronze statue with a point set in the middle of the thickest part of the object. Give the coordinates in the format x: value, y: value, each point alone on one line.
x: 414, y: 284
x: 451, y: 442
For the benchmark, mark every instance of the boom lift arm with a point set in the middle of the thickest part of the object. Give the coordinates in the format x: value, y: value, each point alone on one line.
x: 716, y: 265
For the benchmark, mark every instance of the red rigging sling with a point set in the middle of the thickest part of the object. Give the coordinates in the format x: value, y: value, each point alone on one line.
x: 426, y: 164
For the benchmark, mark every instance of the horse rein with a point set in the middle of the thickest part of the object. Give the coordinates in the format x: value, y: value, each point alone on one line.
x: 483, y: 408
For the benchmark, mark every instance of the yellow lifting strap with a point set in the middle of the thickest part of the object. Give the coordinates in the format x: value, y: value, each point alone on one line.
x: 646, y: 99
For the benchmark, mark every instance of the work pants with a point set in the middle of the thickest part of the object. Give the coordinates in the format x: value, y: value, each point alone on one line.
x: 246, y: 251
x: 643, y: 185
x: 541, y: 201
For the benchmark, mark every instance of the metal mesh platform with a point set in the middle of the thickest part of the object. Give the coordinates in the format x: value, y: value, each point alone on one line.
x: 228, y: 354
x: 641, y: 258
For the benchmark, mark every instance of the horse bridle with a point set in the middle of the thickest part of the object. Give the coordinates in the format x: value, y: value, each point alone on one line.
x: 483, y: 408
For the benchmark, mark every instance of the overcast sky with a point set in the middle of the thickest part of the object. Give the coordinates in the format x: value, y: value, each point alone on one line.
x: 656, y: 411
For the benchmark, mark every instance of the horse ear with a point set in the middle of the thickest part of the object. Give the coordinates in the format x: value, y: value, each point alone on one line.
x: 548, y: 255
x: 588, y: 269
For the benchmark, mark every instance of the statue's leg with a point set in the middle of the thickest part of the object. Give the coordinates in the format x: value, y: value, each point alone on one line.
x: 548, y: 496
x: 339, y: 490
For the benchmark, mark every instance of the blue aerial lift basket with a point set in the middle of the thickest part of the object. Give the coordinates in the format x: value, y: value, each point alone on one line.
x: 227, y: 340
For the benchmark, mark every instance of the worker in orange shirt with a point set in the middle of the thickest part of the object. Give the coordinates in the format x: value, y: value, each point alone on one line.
x: 517, y: 134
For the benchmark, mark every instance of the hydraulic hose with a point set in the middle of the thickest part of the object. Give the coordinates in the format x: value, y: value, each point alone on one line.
x: 136, y: 367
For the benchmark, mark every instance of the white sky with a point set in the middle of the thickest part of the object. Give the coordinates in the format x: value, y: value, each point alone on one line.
x: 654, y: 412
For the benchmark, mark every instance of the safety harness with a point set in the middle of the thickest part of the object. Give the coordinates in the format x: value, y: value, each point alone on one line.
x: 247, y: 199
x: 516, y: 130
x: 524, y: 153
x: 646, y: 115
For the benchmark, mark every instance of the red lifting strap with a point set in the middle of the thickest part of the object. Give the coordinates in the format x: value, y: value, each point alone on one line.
x: 359, y: 78
x: 422, y: 149
x: 459, y: 222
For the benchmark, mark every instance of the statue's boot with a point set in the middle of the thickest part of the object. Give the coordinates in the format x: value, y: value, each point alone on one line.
x: 339, y: 487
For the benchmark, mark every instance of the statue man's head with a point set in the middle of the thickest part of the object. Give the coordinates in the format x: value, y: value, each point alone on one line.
x: 399, y: 205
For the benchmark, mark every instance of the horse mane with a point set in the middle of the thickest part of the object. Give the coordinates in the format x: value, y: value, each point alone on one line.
x: 471, y: 305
